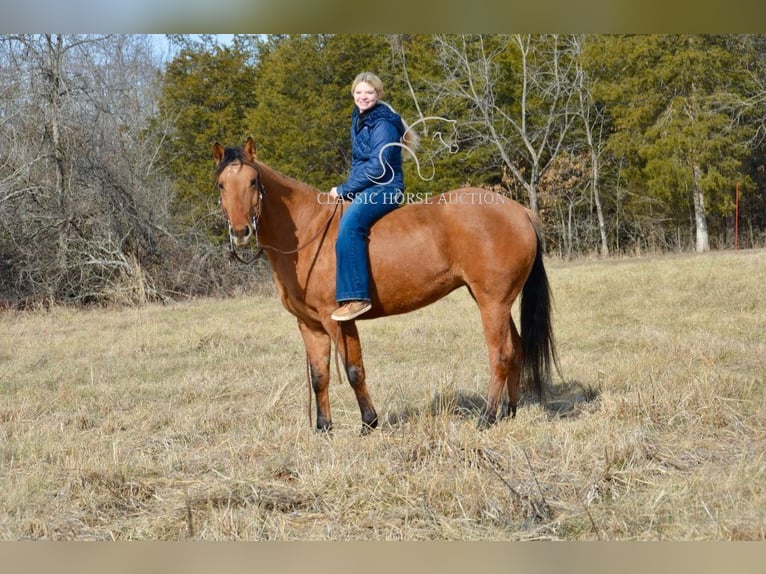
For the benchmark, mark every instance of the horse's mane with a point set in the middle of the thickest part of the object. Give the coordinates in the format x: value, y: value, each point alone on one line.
x: 231, y: 155
x: 285, y: 180
x: 237, y: 155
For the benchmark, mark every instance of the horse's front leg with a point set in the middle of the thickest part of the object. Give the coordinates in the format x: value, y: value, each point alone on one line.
x: 317, y: 343
x: 346, y: 338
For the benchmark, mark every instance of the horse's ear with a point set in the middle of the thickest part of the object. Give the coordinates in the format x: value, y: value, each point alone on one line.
x: 217, y: 152
x: 250, y: 149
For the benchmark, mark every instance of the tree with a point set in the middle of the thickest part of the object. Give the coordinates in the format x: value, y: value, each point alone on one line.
x: 667, y: 95
x: 207, y: 93
x: 592, y: 120
x: 513, y: 95
x: 303, y: 114
x: 78, y: 217
x: 442, y: 161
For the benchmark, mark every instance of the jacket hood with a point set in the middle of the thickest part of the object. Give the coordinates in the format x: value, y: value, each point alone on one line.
x: 381, y: 111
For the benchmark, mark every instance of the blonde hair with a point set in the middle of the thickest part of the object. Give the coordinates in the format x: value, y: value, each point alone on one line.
x: 410, y: 139
x: 368, y: 78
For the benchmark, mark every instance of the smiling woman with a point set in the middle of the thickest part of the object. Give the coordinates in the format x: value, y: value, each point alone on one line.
x: 375, y: 187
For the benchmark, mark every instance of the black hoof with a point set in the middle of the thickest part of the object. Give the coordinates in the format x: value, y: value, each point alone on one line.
x: 368, y: 427
x: 485, y: 421
x: 324, y: 427
x: 508, y: 410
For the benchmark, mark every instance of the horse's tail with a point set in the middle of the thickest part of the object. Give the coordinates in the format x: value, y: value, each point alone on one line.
x: 537, y: 341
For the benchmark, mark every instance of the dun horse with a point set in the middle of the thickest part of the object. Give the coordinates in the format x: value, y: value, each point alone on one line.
x: 418, y: 254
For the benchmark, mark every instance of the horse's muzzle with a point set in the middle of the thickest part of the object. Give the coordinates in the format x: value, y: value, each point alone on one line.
x: 241, y: 237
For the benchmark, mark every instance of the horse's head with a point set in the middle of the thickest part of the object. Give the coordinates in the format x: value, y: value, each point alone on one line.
x: 238, y: 183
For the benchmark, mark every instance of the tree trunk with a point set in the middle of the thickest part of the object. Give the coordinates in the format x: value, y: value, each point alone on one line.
x: 52, y: 72
x: 700, y: 216
x: 529, y: 133
x: 597, y: 199
x: 591, y: 120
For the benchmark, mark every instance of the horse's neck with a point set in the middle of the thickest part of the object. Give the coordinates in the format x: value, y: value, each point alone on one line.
x: 288, y: 209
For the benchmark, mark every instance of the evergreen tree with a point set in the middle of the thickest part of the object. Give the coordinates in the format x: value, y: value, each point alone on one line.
x: 207, y: 92
x: 301, y: 122
x: 668, y: 96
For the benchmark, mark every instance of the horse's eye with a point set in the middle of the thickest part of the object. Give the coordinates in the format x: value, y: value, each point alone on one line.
x: 253, y: 182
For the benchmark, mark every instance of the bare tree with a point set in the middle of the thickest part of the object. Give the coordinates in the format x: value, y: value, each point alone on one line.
x: 526, y: 125
x: 593, y: 127
x: 78, y: 212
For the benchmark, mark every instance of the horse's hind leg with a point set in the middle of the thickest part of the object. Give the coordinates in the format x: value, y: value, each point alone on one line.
x: 346, y: 338
x: 317, y: 343
x: 495, y: 318
x: 513, y: 379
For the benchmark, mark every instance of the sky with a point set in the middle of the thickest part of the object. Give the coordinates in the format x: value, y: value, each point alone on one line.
x: 403, y: 16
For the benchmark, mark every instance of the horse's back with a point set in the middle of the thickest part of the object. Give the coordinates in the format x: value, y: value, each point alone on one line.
x: 466, y: 236
x: 467, y: 218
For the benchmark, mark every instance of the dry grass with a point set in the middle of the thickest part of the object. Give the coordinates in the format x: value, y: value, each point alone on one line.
x: 190, y: 421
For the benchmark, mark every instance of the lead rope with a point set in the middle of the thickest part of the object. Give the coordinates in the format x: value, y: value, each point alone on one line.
x: 233, y: 253
x: 309, y: 242
x: 260, y: 248
x: 308, y: 362
x: 308, y: 378
x: 337, y: 353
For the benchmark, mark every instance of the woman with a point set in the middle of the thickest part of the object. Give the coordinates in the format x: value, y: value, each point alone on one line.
x: 375, y: 187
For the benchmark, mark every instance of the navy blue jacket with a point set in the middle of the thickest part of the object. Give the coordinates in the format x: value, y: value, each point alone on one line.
x: 374, y: 161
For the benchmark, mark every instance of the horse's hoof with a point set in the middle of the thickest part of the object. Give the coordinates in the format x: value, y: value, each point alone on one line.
x: 485, y: 421
x: 508, y: 410
x: 324, y: 427
x: 367, y: 428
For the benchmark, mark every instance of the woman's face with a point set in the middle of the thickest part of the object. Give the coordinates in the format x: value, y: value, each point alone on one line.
x: 365, y: 96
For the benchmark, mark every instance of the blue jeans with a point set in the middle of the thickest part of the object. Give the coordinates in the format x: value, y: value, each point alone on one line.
x: 352, y: 276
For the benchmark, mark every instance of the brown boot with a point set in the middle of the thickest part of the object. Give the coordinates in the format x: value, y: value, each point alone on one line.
x: 351, y: 310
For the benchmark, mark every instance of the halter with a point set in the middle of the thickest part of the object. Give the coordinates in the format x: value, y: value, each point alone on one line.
x: 234, y: 254
x: 255, y: 217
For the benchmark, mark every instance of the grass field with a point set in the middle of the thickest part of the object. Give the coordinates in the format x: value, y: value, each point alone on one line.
x: 189, y: 421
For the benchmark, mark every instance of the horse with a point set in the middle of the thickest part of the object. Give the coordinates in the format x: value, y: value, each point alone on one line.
x: 466, y: 237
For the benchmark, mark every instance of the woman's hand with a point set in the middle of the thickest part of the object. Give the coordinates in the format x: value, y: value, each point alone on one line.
x: 334, y: 195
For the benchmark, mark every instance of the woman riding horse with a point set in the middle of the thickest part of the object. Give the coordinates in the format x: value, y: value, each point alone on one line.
x: 375, y: 187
